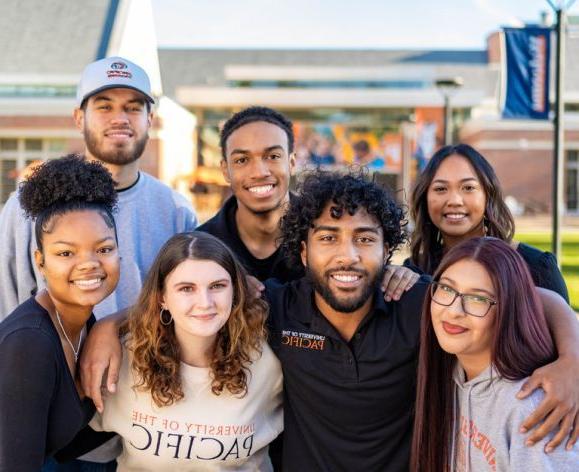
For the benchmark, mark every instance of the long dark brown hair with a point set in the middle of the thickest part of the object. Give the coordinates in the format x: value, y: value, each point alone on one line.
x: 154, y: 346
x: 426, y: 247
x: 520, y: 343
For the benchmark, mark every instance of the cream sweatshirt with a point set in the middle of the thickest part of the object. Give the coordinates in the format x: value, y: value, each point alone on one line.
x: 203, y: 431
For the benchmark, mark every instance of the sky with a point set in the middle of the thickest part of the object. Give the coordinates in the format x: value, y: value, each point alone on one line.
x: 355, y: 24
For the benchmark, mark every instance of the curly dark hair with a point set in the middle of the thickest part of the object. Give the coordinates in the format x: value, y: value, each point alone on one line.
x: 426, y: 248
x: 347, y: 192
x: 70, y: 183
x: 155, y: 349
x: 252, y: 115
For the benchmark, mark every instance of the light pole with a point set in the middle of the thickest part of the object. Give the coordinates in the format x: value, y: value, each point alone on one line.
x: 447, y: 88
x: 559, y: 146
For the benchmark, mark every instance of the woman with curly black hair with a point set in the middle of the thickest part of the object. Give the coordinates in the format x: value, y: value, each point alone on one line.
x: 42, y: 406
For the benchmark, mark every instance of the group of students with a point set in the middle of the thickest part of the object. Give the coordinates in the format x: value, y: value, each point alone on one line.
x: 434, y: 366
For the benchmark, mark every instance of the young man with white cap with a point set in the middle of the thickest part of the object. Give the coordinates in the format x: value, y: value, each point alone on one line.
x: 114, y: 115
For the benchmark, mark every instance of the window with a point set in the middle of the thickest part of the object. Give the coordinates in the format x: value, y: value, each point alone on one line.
x: 573, y: 180
x: 16, y: 154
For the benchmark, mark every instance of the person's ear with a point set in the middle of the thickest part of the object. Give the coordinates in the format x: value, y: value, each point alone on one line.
x: 78, y: 116
x: 292, y: 162
x: 225, y: 171
x: 304, y: 254
x: 39, y: 260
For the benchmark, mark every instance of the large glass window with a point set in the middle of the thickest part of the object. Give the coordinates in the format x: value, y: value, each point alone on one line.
x: 17, y: 155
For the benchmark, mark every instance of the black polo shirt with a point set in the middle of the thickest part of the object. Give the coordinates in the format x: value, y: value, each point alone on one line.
x: 348, y: 406
x: 224, y: 227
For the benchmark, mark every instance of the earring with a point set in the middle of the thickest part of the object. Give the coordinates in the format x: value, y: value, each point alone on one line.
x: 163, y: 319
x: 485, y: 227
x: 439, y: 238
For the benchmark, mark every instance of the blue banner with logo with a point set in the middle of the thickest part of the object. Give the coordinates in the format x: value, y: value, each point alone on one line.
x: 525, y: 88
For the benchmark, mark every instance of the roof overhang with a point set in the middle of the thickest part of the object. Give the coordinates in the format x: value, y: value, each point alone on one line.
x: 227, y: 97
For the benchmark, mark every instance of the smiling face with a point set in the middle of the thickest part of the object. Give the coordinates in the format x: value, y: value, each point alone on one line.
x: 258, y: 166
x: 199, y: 296
x: 115, y: 124
x: 466, y: 336
x: 344, y: 257
x: 80, y: 260
x: 456, y: 200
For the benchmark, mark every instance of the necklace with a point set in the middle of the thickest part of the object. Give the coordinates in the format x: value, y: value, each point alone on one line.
x: 74, y: 351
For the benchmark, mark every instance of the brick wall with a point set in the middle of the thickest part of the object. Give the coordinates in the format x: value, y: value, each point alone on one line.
x: 524, y: 165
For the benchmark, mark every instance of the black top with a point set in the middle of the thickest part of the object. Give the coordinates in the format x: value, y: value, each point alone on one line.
x: 542, y: 265
x: 544, y: 269
x: 40, y: 409
x: 224, y: 227
x: 347, y: 405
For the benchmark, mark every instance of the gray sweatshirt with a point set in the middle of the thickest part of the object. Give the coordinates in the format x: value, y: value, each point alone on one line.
x: 487, y: 434
x: 149, y: 213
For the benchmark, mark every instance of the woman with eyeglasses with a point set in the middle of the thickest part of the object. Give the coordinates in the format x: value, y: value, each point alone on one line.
x: 483, y: 333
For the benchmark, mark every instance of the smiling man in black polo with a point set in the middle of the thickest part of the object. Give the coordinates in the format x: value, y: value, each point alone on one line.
x: 348, y: 357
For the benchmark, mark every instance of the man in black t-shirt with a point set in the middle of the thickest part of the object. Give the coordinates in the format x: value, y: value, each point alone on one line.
x: 258, y: 160
x: 348, y: 357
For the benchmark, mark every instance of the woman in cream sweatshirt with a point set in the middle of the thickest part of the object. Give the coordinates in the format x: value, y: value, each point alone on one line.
x: 199, y: 388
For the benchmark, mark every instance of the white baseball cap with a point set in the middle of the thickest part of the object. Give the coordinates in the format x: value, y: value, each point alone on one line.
x: 112, y: 72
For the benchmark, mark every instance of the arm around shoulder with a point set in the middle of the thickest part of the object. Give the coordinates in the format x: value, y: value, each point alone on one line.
x: 552, y: 278
x: 559, y: 410
x: 524, y: 457
x: 102, y: 354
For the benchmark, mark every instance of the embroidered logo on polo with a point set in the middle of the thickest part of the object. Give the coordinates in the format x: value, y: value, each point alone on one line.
x: 299, y: 340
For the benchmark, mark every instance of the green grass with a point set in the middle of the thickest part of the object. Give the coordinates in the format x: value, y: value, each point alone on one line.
x: 542, y: 240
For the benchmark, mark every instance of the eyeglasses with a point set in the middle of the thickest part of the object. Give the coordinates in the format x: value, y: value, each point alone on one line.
x: 474, y: 305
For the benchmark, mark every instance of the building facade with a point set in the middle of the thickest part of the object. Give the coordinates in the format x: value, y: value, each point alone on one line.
x: 336, y: 98
x: 45, y: 46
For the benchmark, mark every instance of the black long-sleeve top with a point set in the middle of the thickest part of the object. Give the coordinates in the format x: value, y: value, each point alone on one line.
x: 40, y: 409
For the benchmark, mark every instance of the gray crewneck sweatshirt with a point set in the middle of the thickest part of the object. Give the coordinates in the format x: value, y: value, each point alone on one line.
x: 149, y: 213
x: 487, y: 426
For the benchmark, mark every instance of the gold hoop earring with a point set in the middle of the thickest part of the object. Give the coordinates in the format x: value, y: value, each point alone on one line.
x: 164, y: 321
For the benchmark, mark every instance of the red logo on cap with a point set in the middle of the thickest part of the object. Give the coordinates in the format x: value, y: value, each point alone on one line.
x: 111, y: 74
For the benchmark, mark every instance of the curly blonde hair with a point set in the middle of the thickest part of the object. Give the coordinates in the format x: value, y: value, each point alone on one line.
x: 154, y: 347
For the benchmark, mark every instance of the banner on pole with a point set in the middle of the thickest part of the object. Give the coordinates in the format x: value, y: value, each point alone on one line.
x: 525, y: 90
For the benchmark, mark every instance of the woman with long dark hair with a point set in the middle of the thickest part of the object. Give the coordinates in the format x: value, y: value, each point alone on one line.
x: 458, y: 196
x: 483, y: 332
x: 199, y: 387
x: 42, y: 406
